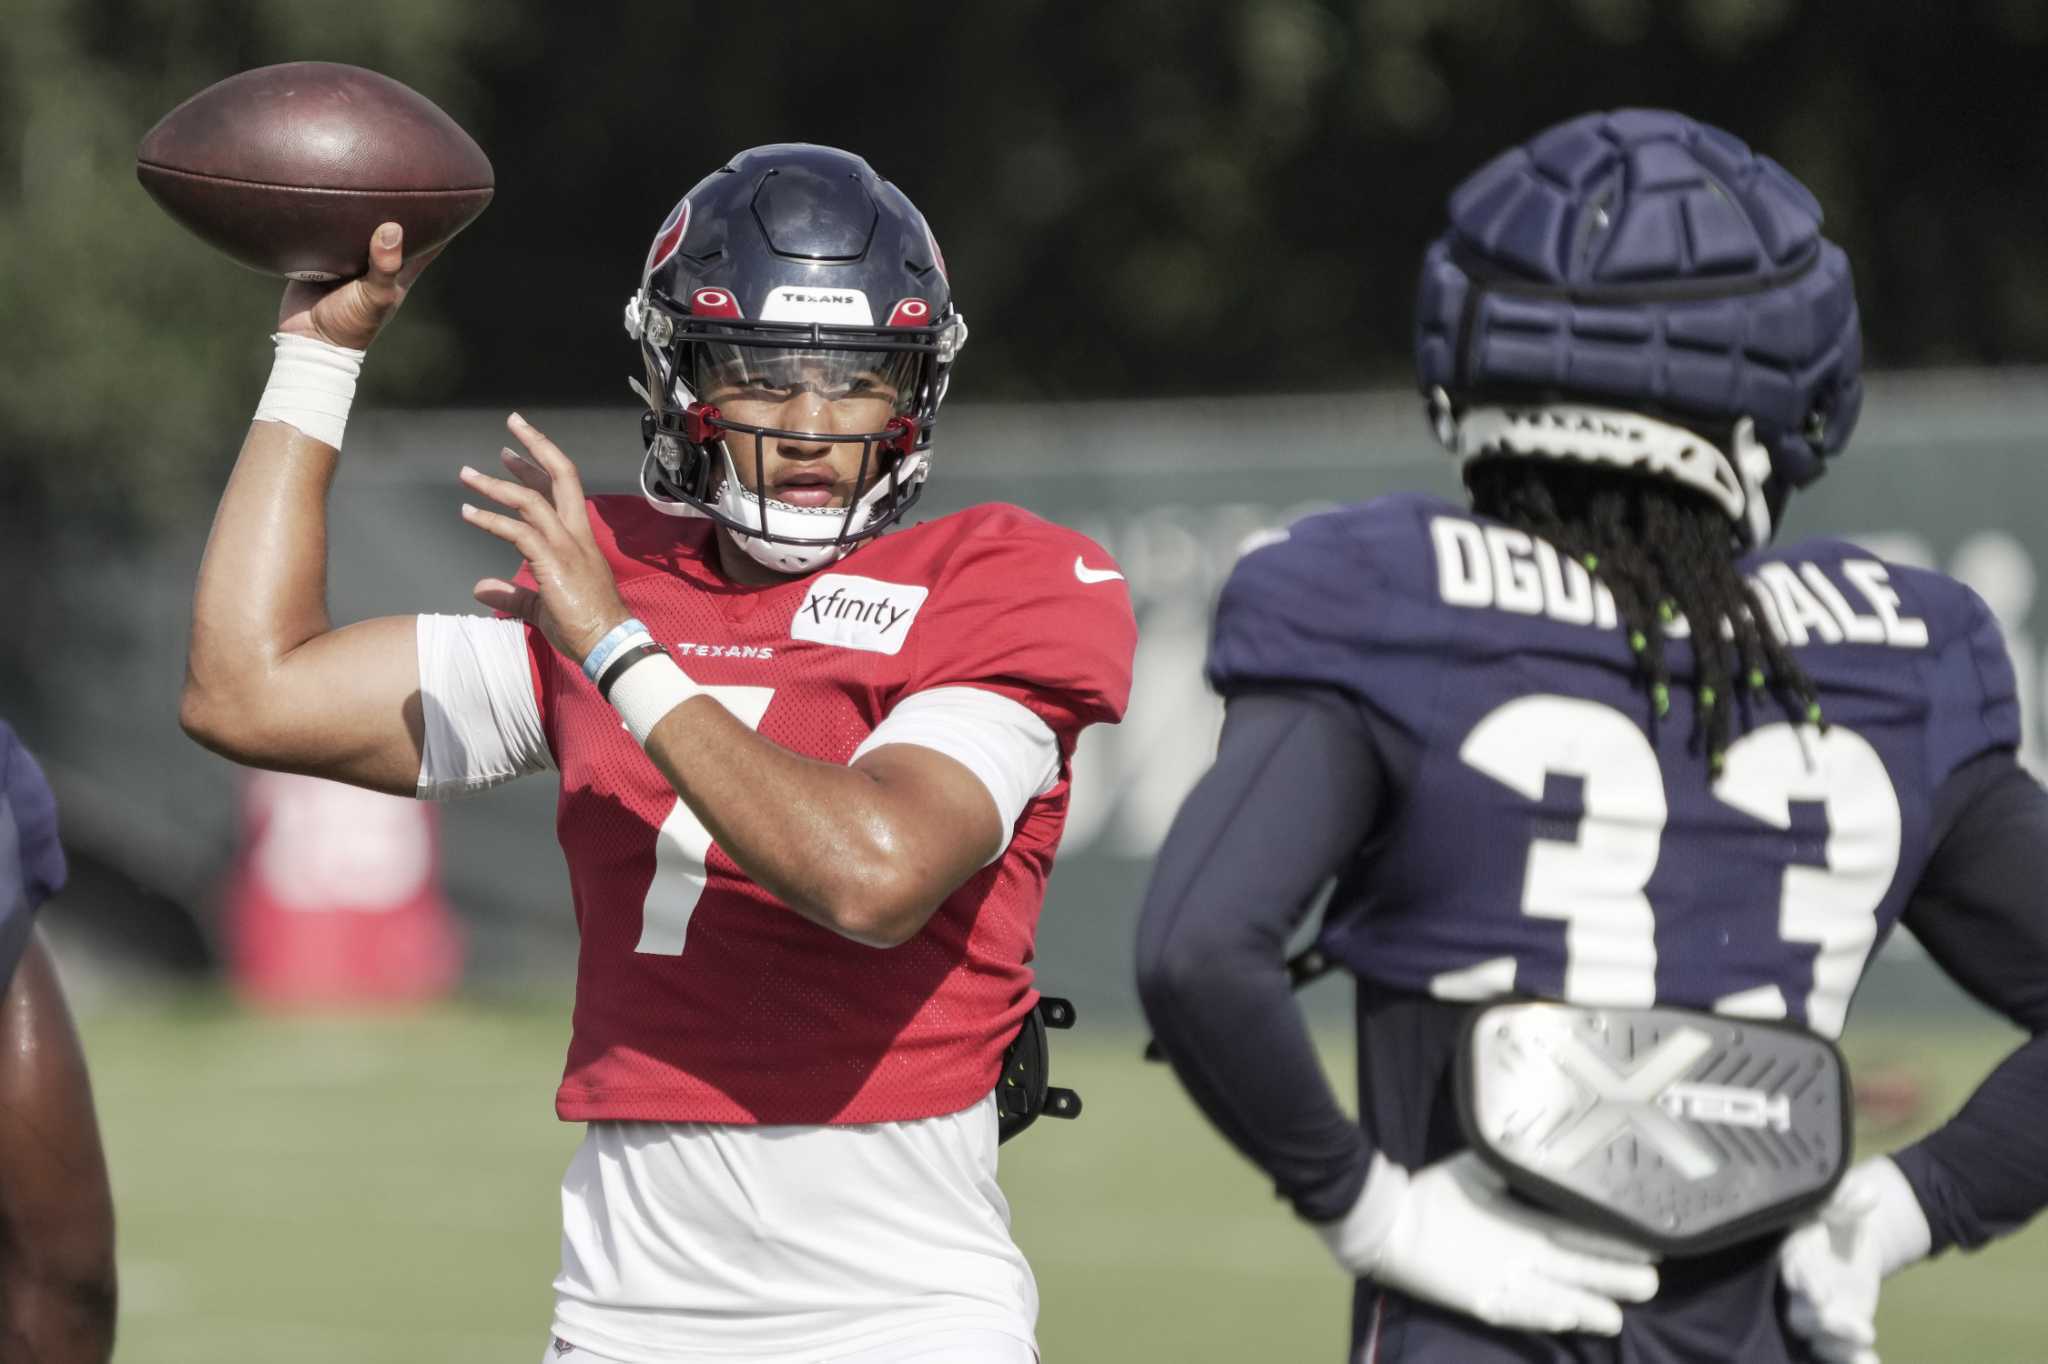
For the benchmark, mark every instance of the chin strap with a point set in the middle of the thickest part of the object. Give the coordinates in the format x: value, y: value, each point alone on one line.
x: 661, y: 502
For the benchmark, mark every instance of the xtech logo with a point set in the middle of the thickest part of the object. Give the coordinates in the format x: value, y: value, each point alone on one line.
x: 857, y: 613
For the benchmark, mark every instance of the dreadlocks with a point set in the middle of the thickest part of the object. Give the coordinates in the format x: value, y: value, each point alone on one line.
x: 1663, y: 551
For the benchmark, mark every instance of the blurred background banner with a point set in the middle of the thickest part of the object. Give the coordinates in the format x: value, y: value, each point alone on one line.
x: 336, y: 898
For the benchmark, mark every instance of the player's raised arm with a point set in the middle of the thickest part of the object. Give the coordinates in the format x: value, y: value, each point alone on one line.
x: 270, y: 681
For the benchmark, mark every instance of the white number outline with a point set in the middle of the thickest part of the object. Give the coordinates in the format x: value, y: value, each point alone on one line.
x: 1596, y: 882
x: 683, y: 847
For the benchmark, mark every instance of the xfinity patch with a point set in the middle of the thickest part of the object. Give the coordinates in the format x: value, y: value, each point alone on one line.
x: 799, y: 303
x: 857, y: 613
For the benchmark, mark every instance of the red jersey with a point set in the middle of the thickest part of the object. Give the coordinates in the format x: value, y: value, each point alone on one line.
x: 700, y: 997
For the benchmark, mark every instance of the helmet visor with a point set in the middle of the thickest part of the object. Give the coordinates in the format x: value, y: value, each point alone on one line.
x: 833, y: 392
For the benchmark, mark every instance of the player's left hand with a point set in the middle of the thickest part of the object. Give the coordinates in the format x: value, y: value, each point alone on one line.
x: 578, y: 601
x: 1833, y: 1265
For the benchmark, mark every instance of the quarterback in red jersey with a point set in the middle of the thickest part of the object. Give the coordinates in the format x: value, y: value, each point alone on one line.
x: 791, y: 731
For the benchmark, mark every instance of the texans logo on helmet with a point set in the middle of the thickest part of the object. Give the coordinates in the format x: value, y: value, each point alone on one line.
x: 669, y: 237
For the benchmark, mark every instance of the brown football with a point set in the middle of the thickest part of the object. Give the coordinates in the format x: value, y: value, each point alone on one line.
x: 290, y: 168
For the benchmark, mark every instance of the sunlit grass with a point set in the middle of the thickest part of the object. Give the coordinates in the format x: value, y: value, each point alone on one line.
x: 345, y: 1189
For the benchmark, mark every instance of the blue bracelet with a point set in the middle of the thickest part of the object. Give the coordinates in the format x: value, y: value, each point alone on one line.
x: 594, y: 661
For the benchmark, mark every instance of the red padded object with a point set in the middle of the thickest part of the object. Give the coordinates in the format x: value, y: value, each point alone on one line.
x: 290, y: 168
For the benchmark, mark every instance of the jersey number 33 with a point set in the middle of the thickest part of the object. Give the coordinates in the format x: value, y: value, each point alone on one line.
x: 1597, y: 883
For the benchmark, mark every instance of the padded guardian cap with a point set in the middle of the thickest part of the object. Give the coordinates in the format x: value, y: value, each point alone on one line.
x: 1654, y: 285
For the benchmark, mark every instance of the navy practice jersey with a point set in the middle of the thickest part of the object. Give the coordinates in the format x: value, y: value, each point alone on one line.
x: 1527, y: 825
x: 1550, y: 836
x: 31, y: 862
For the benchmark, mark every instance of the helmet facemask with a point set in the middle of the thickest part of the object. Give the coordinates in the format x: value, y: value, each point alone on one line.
x: 885, y: 381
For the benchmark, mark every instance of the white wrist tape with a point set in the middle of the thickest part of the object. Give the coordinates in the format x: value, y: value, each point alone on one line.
x: 312, y: 385
x: 649, y: 690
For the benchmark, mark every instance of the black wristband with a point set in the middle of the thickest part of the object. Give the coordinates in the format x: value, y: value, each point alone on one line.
x: 615, y: 668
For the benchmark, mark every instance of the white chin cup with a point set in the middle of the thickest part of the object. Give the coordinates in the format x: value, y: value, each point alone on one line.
x: 1622, y: 440
x: 821, y: 524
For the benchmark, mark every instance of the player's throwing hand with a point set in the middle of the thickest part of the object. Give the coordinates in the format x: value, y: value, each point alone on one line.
x: 577, y: 600
x: 351, y: 314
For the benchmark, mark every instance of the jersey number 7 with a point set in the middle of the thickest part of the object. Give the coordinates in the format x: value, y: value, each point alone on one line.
x: 684, y: 846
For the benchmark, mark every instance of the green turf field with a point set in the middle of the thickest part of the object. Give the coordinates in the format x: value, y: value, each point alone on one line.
x: 384, y: 1190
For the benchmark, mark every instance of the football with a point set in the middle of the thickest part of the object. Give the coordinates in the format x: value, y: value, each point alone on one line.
x: 290, y: 168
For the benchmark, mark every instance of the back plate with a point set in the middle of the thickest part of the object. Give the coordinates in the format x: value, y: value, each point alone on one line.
x: 1677, y: 1130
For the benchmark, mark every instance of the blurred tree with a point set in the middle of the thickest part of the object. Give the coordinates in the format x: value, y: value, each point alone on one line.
x: 131, y: 352
x: 1135, y: 196
x: 1174, y: 196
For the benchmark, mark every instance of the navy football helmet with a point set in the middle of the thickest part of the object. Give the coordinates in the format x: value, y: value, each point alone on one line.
x: 791, y: 260
x: 1641, y: 290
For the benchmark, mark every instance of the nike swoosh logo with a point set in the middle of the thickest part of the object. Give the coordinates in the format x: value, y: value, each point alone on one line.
x: 1093, y: 575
